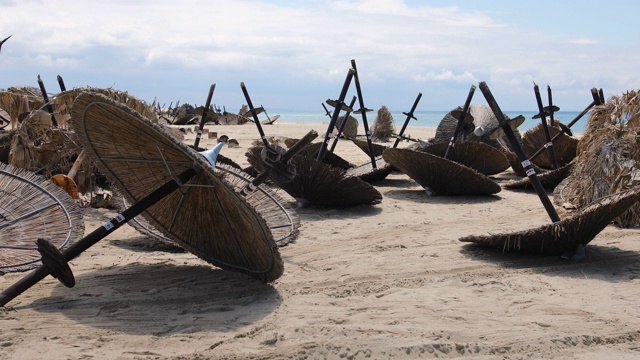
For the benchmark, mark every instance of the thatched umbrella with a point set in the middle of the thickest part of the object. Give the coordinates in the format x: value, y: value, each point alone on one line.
x: 370, y: 174
x: 383, y: 126
x: 485, y: 126
x: 479, y: 156
x: 19, y: 100
x: 567, y: 235
x: 364, y: 146
x: 317, y: 183
x: 564, y: 146
x: 207, y: 217
x: 608, y: 155
x: 440, y: 176
x: 349, y: 127
x: 32, y: 207
x: 283, y: 221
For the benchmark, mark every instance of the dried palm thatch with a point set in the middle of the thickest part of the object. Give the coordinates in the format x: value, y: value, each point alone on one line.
x: 205, y: 216
x: 564, y: 146
x: 350, y: 129
x: 440, y: 176
x: 320, y: 184
x: 566, y: 235
x: 330, y: 158
x: 479, y: 156
x: 383, y: 126
x: 63, y: 101
x: 367, y: 173
x: 283, y: 221
x: 515, y: 163
x: 20, y: 99
x: 364, y: 146
x: 549, y: 179
x: 33, y: 208
x: 608, y: 156
x: 44, y: 150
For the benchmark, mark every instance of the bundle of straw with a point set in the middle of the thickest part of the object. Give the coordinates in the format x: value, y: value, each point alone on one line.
x: 383, y: 126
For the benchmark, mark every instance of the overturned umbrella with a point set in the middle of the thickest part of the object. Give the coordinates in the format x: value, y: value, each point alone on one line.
x: 187, y: 201
x: 30, y: 207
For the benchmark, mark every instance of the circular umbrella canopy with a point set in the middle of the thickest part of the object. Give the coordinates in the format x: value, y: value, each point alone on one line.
x: 565, y: 235
x: 565, y: 147
x: 438, y: 175
x: 205, y: 215
x: 549, y: 179
x: 31, y: 207
x: 477, y: 155
x: 317, y: 183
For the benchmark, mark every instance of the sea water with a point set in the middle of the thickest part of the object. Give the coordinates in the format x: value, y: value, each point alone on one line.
x: 430, y: 118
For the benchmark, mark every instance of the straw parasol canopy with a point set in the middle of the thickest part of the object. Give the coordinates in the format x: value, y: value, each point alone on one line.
x: 330, y: 158
x: 283, y: 221
x: 608, y: 156
x: 564, y: 146
x: 567, y: 234
x: 549, y: 179
x: 477, y: 155
x: 20, y: 99
x: 317, y: 183
x: 31, y: 208
x: 364, y: 146
x: 515, y: 163
x: 383, y: 126
x: 205, y: 215
x: 350, y: 130
x: 485, y: 127
x: 367, y: 173
x: 440, y: 176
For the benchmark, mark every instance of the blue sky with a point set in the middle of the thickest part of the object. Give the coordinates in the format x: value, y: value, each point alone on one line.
x: 296, y: 54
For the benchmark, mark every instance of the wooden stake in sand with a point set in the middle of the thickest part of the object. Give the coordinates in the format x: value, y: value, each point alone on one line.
x: 517, y: 148
x: 204, y: 116
x: 543, y: 112
x: 344, y: 123
x: 363, y: 111
x: 463, y: 117
x: 410, y: 116
x: 336, y: 112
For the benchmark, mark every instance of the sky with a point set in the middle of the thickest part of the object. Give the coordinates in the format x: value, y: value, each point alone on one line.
x: 294, y: 55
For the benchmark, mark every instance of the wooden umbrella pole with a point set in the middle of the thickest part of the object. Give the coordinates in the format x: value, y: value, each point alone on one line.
x: 461, y: 120
x: 410, y: 116
x: 545, y: 127
x: 265, y: 142
x: 344, y: 123
x: 61, y: 271
x: 61, y: 83
x: 204, y: 115
x: 46, y: 101
x: 336, y: 113
x: 363, y: 112
x: 526, y: 164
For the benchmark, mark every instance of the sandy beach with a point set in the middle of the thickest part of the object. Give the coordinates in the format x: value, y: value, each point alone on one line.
x: 366, y: 282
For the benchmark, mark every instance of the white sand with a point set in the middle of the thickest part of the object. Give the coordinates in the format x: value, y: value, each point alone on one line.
x: 383, y: 281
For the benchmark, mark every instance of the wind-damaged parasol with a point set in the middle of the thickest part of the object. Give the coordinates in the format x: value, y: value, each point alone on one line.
x: 173, y: 187
x: 30, y: 207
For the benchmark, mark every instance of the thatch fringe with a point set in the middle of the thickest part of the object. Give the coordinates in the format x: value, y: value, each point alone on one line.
x: 608, y: 156
x: 479, y: 156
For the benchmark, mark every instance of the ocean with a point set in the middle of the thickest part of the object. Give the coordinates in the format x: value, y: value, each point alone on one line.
x: 428, y: 118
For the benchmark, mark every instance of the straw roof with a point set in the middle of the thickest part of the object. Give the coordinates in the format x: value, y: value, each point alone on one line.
x: 364, y: 146
x: 440, y: 176
x: 205, y: 216
x: 567, y: 234
x: 330, y: 158
x: 479, y: 156
x: 608, y: 155
x: 564, y: 146
x: 320, y: 184
x: 367, y: 173
x: 383, y: 126
x: 33, y: 208
x: 20, y: 99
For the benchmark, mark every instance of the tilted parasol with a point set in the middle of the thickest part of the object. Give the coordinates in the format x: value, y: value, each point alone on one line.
x: 32, y: 207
